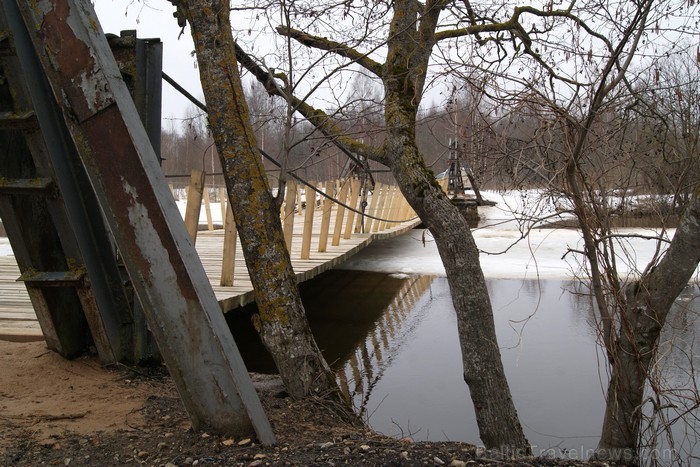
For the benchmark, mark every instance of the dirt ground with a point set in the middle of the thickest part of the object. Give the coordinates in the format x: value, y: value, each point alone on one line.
x: 59, y: 412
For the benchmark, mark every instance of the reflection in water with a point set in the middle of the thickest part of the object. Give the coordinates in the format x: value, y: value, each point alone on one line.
x: 673, y: 408
x: 343, y: 310
x: 366, y: 366
x: 393, y: 342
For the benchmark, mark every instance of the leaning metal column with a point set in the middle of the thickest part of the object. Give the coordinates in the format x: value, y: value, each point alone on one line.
x: 166, y: 273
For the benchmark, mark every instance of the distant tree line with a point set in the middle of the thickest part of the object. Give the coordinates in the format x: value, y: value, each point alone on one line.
x: 646, y: 142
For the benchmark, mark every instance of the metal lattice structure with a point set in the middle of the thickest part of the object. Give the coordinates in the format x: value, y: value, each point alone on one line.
x: 91, y: 176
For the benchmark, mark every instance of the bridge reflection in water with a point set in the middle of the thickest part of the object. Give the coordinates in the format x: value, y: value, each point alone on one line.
x: 360, y: 369
x: 360, y: 320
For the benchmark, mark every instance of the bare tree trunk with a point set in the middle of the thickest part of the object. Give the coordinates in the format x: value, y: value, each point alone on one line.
x: 411, y: 39
x: 648, y: 303
x: 632, y: 319
x: 499, y: 426
x: 409, y: 49
x: 282, y: 320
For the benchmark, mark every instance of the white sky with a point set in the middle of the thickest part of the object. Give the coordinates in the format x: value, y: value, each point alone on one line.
x: 153, y: 18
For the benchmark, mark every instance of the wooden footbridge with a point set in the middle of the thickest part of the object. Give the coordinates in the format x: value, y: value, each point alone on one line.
x: 98, y: 242
x: 323, y: 235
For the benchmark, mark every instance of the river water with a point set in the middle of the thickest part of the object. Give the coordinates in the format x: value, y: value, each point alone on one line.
x: 392, y: 337
x: 386, y: 324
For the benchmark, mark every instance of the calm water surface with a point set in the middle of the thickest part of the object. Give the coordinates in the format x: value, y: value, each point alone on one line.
x: 406, y: 376
x: 392, y: 339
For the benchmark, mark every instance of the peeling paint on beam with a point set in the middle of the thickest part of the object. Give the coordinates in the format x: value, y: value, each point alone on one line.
x: 170, y: 282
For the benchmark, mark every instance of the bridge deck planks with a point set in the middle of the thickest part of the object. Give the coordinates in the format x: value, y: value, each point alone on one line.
x: 18, y: 321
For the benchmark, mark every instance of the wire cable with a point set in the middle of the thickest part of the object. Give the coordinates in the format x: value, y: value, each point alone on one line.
x: 335, y: 200
x: 203, y: 107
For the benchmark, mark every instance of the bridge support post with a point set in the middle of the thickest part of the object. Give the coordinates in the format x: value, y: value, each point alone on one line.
x: 68, y: 47
x: 469, y: 210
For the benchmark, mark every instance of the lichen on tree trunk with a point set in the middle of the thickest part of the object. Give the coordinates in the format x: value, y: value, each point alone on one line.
x: 281, y: 321
x: 409, y: 48
x: 411, y: 39
x: 497, y: 419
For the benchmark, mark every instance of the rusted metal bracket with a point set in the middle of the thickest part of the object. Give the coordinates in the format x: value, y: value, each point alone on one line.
x: 166, y: 273
x: 18, y: 121
x: 43, y: 185
x: 53, y: 279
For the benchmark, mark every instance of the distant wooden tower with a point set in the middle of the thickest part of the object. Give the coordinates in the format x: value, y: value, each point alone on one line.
x: 455, y: 181
x: 458, y: 191
x: 456, y: 188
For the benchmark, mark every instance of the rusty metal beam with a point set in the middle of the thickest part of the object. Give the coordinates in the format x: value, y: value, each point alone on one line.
x: 48, y: 226
x: 162, y: 263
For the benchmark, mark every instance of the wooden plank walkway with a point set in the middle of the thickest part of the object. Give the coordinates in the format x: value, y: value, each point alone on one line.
x: 18, y: 321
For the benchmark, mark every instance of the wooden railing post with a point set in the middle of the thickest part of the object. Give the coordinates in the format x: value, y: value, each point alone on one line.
x: 398, y: 208
x: 223, y: 201
x: 228, y: 263
x: 338, y: 227
x: 395, y: 193
x: 289, y: 204
x: 355, y: 189
x: 380, y: 193
x: 405, y: 208
x: 388, y: 208
x: 207, y: 208
x: 369, y: 209
x: 391, y: 209
x: 326, y: 219
x: 298, y: 198
x: 362, y: 212
x: 308, y: 223
x: 194, y: 203
x: 372, y: 207
x: 388, y: 192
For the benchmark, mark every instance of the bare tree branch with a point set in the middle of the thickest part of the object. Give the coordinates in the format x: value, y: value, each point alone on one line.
x: 322, y: 121
x: 323, y: 43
